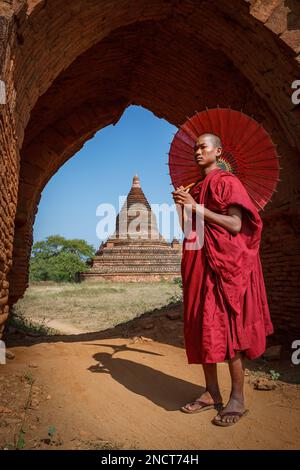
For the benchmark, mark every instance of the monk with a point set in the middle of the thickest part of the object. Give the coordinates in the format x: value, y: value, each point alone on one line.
x: 226, y: 314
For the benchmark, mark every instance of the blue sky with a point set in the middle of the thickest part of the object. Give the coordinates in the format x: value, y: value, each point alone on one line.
x: 102, y: 170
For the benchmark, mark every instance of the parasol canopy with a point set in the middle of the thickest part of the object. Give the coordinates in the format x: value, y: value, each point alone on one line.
x: 248, y: 152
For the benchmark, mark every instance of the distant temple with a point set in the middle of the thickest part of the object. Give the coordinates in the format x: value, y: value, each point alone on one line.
x: 136, y: 251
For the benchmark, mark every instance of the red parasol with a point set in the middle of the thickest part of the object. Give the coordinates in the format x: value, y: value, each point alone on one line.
x: 248, y: 152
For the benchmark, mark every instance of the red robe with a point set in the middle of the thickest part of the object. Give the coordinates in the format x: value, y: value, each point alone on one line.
x: 225, y: 302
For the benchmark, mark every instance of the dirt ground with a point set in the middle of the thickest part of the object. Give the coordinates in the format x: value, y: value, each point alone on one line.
x: 122, y: 388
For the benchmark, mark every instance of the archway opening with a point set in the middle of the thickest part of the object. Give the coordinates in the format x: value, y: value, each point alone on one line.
x: 98, y: 177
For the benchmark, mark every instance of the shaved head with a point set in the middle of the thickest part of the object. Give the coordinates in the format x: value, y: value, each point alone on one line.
x: 215, y: 140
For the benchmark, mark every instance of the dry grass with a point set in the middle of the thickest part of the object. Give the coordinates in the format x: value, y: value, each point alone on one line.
x: 94, y: 306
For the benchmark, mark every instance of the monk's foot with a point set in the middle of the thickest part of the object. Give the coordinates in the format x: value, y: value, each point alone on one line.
x: 233, y: 412
x: 206, y: 401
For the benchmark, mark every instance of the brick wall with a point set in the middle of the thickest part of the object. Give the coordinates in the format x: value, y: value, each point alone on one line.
x: 9, y: 158
x: 73, y: 70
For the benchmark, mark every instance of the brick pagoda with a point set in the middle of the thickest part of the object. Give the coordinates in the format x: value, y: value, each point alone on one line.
x: 136, y: 251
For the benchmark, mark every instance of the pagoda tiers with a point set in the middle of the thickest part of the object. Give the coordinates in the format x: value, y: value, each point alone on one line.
x: 136, y: 251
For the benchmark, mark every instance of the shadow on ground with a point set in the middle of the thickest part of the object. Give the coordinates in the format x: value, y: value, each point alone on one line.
x: 165, y: 326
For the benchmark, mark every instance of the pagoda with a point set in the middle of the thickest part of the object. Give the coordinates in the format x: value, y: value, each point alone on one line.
x: 136, y: 251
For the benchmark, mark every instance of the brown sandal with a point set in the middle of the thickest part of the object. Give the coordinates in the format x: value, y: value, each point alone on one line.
x: 203, y: 407
x: 219, y: 422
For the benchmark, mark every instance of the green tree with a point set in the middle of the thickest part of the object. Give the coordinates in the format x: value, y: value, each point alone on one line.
x: 58, y: 259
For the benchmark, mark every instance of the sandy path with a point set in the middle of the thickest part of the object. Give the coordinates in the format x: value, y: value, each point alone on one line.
x: 129, y: 393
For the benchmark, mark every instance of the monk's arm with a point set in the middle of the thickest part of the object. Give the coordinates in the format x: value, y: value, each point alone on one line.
x: 231, y: 222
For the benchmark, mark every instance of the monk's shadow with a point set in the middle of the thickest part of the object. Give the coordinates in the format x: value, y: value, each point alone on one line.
x: 162, y: 389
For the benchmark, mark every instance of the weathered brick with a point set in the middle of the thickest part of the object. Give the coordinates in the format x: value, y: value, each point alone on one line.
x: 73, y: 71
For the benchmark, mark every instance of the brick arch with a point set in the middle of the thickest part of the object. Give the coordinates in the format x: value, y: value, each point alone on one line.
x: 71, y: 72
x: 257, y: 36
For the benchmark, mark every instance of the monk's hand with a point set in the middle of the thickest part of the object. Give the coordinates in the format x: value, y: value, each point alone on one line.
x: 177, y: 192
x: 182, y: 197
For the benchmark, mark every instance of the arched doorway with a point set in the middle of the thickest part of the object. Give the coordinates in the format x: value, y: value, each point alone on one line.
x: 70, y: 72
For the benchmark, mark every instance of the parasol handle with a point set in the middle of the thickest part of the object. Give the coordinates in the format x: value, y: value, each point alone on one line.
x: 189, y: 186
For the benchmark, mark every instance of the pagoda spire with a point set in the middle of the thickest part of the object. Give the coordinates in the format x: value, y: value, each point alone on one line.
x: 136, y: 182
x: 136, y: 206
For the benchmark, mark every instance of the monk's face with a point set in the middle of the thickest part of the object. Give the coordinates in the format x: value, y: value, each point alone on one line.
x: 205, y: 151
